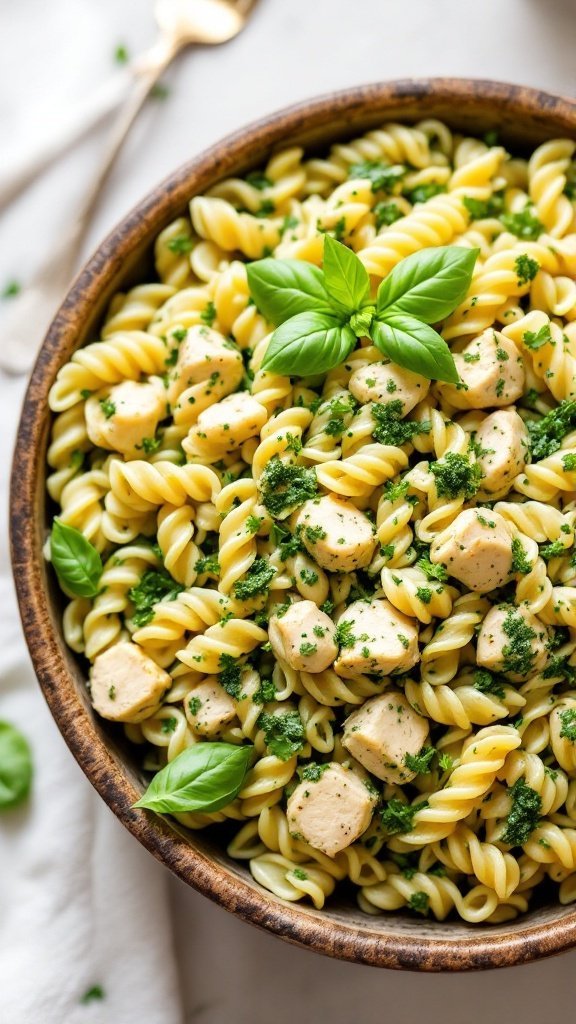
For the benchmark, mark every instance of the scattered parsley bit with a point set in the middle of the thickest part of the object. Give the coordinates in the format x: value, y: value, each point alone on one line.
x: 554, y: 550
x: 312, y: 772
x: 422, y: 762
x: 108, y: 407
x: 397, y: 817
x: 306, y: 648
x: 169, y: 724
x: 285, y: 486
x: 386, y: 213
x: 309, y: 577
x: 288, y: 544
x: 159, y: 91
x: 344, y: 637
x: 194, y: 704
x: 92, y: 994
x: 455, y: 476
x: 568, y: 720
x: 419, y: 902
x: 112, y: 692
x: 121, y: 55
x: 424, y: 594
x: 154, y: 586
x: 283, y: 733
x: 390, y: 428
x: 149, y: 444
x: 314, y: 533
x: 230, y: 675
x: 526, y: 268
x: 569, y: 463
x: 517, y: 655
x: 488, y: 682
x: 446, y: 762
x: 253, y: 523
x: 524, y: 224
x: 10, y: 290
x: 258, y: 180
x: 422, y: 193
x: 265, y: 693
x: 208, y: 315
x: 481, y: 209
x: 520, y: 562
x: 535, y: 339
x: 256, y: 581
x: 546, y: 435
x: 383, y: 177
x: 208, y: 564
x: 524, y: 815
x: 300, y: 874
x: 433, y: 571
x: 180, y: 244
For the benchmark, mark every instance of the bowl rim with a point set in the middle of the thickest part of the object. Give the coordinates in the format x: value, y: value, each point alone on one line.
x: 382, y: 947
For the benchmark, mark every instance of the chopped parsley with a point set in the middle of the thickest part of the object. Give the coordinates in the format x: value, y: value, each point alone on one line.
x: 208, y: 564
x: 481, y: 209
x: 568, y: 721
x: 230, y: 676
x: 526, y: 268
x: 92, y: 994
x: 285, y: 486
x: 385, y: 213
x: 569, y: 462
x: 524, y: 814
x: 519, y: 561
x: 108, y: 407
x: 524, y: 224
x: 258, y: 180
x: 455, y: 476
x: 314, y: 533
x: 154, y: 586
x: 424, y: 594
x: 208, y: 315
x: 180, y: 244
x: 340, y: 411
x: 149, y: 444
x: 121, y: 55
x: 10, y: 290
x: 446, y: 762
x: 312, y: 772
x: 518, y: 654
x: 397, y: 817
x: 535, y: 339
x: 169, y: 724
x: 488, y: 682
x: 419, y: 902
x: 390, y: 428
x: 309, y: 577
x: 422, y: 193
x: 283, y: 733
x: 546, y: 435
x: 194, y: 704
x: 265, y: 692
x: 300, y: 874
x: 554, y: 550
x: 306, y: 648
x: 422, y: 762
x: 256, y: 581
x: 288, y: 545
x: 433, y: 571
x: 382, y: 177
x: 344, y: 637
x: 253, y: 523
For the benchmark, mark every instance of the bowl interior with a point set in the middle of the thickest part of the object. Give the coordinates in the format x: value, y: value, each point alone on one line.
x: 523, y: 118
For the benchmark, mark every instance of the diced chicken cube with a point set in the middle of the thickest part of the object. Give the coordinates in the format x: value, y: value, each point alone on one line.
x: 503, y: 442
x: 476, y: 549
x: 205, y: 355
x: 126, y: 685
x: 382, y: 732
x: 210, y: 708
x: 337, y: 535
x: 304, y: 637
x: 225, y: 425
x: 387, y: 382
x: 332, y: 812
x: 491, y: 370
x: 375, y: 638
x: 126, y: 418
x: 512, y: 641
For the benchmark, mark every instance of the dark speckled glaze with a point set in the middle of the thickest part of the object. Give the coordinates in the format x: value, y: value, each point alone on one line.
x: 524, y: 117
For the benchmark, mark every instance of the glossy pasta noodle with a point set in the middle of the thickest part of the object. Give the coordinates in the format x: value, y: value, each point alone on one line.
x: 416, y: 684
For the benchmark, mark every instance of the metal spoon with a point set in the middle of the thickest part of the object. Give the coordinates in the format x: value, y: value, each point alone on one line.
x: 181, y: 23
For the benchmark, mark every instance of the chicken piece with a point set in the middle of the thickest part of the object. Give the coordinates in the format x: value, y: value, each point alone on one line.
x: 337, y: 535
x: 476, y: 549
x: 333, y: 811
x: 503, y: 442
x: 387, y: 382
x: 206, y: 355
x: 382, y: 732
x: 210, y: 708
x: 304, y: 637
x: 127, y: 418
x: 225, y: 426
x: 512, y: 641
x: 375, y: 638
x: 491, y: 370
x: 126, y: 685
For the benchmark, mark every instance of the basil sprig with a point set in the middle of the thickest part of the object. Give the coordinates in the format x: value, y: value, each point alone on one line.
x: 204, y: 777
x: 75, y: 559
x: 15, y: 767
x: 318, y: 314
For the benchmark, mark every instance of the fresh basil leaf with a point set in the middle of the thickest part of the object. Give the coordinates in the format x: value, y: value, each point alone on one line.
x: 283, y: 288
x: 204, y: 777
x: 15, y: 767
x: 427, y: 285
x: 308, y: 343
x: 345, y: 277
x: 75, y: 559
x: 415, y: 346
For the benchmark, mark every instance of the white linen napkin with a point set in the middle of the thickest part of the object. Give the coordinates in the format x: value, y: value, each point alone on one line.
x: 83, y: 908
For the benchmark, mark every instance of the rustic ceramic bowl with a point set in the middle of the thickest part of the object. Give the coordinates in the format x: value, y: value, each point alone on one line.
x: 524, y: 118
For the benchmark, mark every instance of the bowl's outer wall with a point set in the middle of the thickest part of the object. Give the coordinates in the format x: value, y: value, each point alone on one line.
x: 524, y: 117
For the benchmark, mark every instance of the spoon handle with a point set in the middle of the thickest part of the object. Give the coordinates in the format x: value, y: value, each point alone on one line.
x: 30, y: 313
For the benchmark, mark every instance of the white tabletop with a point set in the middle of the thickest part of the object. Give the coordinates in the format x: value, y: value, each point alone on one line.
x: 292, y: 50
